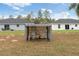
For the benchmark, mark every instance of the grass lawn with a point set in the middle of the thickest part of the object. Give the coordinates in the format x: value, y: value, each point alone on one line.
x: 66, y: 31
x: 3, y: 33
x: 62, y: 43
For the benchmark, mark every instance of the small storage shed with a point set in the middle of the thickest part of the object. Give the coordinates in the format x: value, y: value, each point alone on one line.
x: 37, y: 31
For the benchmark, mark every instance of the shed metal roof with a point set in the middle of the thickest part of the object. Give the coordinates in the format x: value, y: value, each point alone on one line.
x: 33, y: 24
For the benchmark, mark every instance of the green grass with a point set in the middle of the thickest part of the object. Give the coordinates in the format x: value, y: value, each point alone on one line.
x: 66, y: 31
x: 62, y: 43
x: 2, y: 33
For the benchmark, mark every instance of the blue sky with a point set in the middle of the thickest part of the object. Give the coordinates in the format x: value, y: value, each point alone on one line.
x: 57, y: 10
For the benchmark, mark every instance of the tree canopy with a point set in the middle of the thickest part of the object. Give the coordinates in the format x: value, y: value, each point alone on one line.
x: 75, y: 6
x: 42, y: 17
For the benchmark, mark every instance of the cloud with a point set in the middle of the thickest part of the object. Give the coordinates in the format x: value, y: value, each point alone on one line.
x: 50, y: 10
x: 63, y: 14
x: 3, y: 17
x: 17, y: 6
x: 43, y: 9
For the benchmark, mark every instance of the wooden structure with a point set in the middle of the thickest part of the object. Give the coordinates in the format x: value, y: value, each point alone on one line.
x: 38, y: 31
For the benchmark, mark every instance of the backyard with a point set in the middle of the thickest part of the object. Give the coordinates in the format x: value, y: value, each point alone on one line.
x: 63, y: 43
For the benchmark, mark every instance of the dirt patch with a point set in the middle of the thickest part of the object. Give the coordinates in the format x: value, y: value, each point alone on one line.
x: 60, y: 44
x: 14, y: 40
x: 2, y: 39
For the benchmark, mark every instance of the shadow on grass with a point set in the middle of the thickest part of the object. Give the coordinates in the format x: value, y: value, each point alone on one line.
x: 39, y: 40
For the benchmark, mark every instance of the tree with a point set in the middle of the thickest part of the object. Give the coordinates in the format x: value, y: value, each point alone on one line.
x: 36, y: 20
x: 40, y: 14
x: 46, y: 14
x: 29, y: 17
x: 2, y: 17
x: 11, y: 16
x: 39, y: 19
x: 43, y: 17
x: 75, y: 6
x: 19, y: 17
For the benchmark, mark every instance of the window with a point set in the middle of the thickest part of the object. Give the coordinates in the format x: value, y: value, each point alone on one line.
x: 6, y: 27
x: 67, y: 26
x: 75, y: 25
x: 58, y: 25
x: 17, y: 25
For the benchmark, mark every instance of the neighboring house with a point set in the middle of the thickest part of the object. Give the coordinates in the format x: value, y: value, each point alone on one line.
x: 20, y: 24
x: 32, y: 30
x: 65, y: 24
x: 12, y: 24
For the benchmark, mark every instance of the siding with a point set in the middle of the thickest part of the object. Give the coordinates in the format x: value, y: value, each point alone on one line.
x: 62, y: 27
x: 21, y: 27
x: 1, y: 27
x: 55, y: 27
x: 14, y: 27
x: 74, y: 27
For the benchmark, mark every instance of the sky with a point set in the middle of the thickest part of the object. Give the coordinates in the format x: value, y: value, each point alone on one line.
x: 57, y: 10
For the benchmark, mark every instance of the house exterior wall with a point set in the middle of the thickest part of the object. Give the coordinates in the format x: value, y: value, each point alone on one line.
x: 74, y: 27
x: 13, y: 27
x: 55, y: 27
x: 62, y: 27
x: 1, y: 27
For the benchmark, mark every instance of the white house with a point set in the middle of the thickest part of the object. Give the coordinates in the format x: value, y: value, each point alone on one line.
x: 20, y: 24
x: 65, y: 24
x: 12, y: 24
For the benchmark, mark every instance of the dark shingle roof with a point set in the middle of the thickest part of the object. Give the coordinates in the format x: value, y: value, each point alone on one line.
x: 22, y: 21
x: 12, y: 21
x: 67, y: 21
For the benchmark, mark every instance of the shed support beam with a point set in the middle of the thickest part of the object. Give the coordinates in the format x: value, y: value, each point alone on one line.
x: 48, y: 33
x: 27, y: 33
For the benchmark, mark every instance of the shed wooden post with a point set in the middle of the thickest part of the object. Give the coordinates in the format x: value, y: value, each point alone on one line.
x: 48, y: 33
x: 27, y: 33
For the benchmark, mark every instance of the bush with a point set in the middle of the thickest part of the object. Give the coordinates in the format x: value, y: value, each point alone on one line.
x: 12, y: 30
x: 3, y: 29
